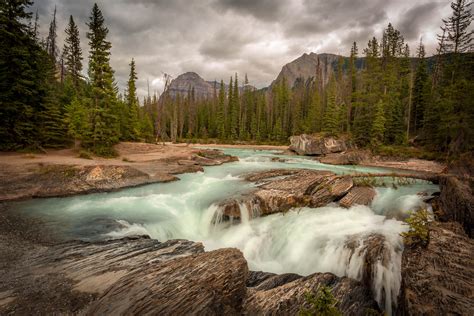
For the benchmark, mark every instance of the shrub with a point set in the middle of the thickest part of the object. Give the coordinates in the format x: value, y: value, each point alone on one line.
x: 322, y: 303
x: 85, y: 155
x: 419, y: 232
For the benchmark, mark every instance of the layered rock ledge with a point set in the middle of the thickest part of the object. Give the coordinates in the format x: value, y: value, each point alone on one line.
x: 138, y: 275
x: 281, y: 190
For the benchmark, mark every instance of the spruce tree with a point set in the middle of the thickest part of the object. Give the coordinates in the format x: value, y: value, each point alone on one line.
x: 234, y: 123
x: 133, y: 126
x: 73, y: 53
x: 331, y: 113
x: 378, y: 125
x: 221, y: 112
x: 25, y: 79
x: 459, y: 36
x: 51, y: 40
x: 420, y: 93
x: 105, y: 128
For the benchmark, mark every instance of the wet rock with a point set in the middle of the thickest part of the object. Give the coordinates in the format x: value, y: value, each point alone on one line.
x: 289, y: 298
x: 358, y: 196
x: 437, y: 280
x: 281, y: 190
x: 308, y: 145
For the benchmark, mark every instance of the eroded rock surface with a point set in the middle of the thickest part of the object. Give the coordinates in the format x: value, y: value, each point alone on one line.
x: 308, y: 145
x: 281, y: 190
x: 288, y: 298
x: 358, y: 195
x: 438, y: 279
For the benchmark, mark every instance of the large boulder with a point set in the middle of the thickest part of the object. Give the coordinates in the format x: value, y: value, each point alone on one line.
x: 437, y: 280
x: 308, y: 145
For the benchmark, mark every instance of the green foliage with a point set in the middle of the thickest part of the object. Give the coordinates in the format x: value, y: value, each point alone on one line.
x: 419, y: 232
x: 84, y: 154
x: 321, y: 304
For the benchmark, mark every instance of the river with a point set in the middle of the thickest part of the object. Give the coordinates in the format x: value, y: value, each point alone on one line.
x: 302, y: 241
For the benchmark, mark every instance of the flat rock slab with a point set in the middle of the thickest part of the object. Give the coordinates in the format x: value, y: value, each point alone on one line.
x: 358, y: 196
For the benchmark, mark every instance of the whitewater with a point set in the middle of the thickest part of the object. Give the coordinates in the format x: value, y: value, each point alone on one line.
x: 302, y: 241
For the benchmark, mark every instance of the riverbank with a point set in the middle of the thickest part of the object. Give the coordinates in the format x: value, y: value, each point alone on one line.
x: 64, y: 172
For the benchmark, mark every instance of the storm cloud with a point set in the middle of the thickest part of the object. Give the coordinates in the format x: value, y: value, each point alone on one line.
x: 217, y: 38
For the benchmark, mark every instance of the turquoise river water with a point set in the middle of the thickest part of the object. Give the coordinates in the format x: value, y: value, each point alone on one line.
x: 301, y: 241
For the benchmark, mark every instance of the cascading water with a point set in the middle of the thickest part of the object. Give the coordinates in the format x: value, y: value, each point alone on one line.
x: 303, y: 241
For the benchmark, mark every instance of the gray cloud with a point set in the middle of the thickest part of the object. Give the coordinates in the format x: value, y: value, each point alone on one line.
x: 267, y: 10
x: 217, y: 38
x: 414, y: 18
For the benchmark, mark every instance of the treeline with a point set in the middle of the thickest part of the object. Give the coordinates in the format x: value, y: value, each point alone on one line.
x: 393, y: 100
x: 45, y: 98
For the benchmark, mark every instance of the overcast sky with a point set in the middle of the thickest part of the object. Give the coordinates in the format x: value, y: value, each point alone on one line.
x: 217, y: 38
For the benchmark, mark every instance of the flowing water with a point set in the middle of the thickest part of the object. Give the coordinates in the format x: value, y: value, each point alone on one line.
x: 301, y: 241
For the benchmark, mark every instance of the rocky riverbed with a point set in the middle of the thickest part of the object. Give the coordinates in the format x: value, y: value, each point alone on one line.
x: 44, y: 273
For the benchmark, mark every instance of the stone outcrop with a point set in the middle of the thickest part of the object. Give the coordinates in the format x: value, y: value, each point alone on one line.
x: 309, y: 145
x: 139, y: 275
x: 281, y: 190
x: 456, y: 201
x: 288, y: 298
x: 437, y: 280
x: 358, y: 195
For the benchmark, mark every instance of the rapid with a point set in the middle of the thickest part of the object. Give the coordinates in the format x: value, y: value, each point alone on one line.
x: 302, y: 241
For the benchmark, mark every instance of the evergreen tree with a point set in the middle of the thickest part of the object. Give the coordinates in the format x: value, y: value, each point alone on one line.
x: 73, y: 53
x: 133, y: 126
x: 221, y: 130
x: 459, y: 36
x: 234, y: 123
x: 25, y: 79
x: 331, y: 122
x: 420, y: 92
x: 51, y: 40
x: 378, y: 125
x: 105, y: 129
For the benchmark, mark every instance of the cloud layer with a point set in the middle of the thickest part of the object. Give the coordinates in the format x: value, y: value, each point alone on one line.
x: 217, y: 38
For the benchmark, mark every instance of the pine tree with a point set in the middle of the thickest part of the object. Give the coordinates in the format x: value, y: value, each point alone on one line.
x: 73, y: 53
x: 378, y: 125
x: 331, y: 113
x: 459, y: 36
x: 51, y: 40
x: 132, y: 104
x: 420, y: 91
x: 221, y: 112
x: 105, y: 129
x: 25, y: 79
x: 234, y: 123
